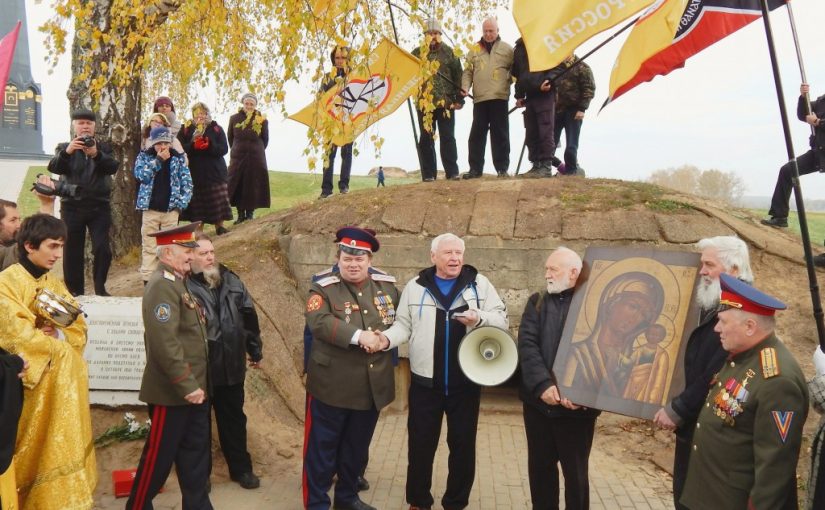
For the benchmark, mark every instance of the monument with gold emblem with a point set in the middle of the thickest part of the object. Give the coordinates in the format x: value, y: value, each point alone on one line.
x: 21, y: 128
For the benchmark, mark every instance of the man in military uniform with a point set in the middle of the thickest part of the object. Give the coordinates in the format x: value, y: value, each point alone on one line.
x: 746, y: 443
x: 175, y: 379
x: 349, y: 375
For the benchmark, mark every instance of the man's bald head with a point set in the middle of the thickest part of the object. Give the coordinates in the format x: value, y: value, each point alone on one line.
x: 562, y: 270
x: 490, y: 29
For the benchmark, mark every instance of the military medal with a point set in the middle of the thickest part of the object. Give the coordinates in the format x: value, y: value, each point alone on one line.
x: 383, y: 303
x: 188, y: 301
x: 347, y: 311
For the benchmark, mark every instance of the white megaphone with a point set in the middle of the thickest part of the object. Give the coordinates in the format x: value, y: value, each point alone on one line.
x: 488, y: 355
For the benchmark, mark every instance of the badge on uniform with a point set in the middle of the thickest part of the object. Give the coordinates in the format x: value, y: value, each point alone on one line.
x: 783, y: 420
x: 314, y: 303
x: 188, y: 302
x: 729, y: 402
x: 347, y: 311
x: 163, y: 312
x: 386, y: 309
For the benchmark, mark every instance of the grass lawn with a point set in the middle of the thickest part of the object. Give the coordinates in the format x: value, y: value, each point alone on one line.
x: 287, y: 189
x: 816, y: 224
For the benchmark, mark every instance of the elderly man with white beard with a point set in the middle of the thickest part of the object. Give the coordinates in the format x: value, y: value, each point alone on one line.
x: 558, y: 431
x: 704, y: 354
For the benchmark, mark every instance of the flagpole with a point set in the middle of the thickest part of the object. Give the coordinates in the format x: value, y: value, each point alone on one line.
x: 799, y: 59
x: 797, y: 188
x: 409, y: 101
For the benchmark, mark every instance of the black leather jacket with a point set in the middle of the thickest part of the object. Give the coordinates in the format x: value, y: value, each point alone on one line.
x: 232, y: 327
x: 818, y: 138
x: 92, y: 176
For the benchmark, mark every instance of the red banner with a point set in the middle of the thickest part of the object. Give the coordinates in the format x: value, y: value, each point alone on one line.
x: 7, y: 44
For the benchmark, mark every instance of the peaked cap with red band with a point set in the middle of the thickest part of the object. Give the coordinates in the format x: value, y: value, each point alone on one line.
x: 183, y: 235
x: 738, y: 294
x: 355, y: 239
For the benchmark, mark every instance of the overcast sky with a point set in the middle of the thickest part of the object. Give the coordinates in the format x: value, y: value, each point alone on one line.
x: 720, y: 111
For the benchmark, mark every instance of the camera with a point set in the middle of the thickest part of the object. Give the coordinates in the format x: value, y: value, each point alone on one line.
x: 88, y: 141
x: 61, y: 189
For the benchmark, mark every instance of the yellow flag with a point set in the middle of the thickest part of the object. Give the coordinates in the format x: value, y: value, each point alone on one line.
x: 553, y: 30
x: 653, y: 32
x: 370, y: 92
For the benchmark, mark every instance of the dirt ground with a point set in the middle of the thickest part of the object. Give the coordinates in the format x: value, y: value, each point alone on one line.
x: 275, y: 393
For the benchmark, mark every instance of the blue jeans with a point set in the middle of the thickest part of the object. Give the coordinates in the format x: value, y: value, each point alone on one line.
x: 566, y: 120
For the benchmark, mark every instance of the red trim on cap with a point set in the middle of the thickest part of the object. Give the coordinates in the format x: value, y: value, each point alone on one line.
x: 175, y: 238
x: 356, y: 243
x: 736, y: 301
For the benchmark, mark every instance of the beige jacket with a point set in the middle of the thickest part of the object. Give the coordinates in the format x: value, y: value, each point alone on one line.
x: 488, y: 73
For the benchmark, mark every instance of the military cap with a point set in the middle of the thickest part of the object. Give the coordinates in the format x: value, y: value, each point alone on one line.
x: 738, y: 294
x: 84, y: 114
x: 357, y: 241
x: 183, y: 235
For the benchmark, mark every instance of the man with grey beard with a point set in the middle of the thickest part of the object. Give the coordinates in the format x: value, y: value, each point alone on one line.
x: 558, y: 431
x: 232, y: 333
x: 704, y: 354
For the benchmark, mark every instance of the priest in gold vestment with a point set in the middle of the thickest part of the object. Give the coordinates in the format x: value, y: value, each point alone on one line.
x: 54, y: 457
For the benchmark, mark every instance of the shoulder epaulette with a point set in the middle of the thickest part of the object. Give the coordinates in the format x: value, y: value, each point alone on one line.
x: 321, y: 274
x: 169, y: 275
x: 382, y: 277
x: 769, y: 366
x: 329, y: 280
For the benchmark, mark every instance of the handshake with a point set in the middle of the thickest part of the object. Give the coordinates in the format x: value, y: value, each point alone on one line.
x: 373, y: 341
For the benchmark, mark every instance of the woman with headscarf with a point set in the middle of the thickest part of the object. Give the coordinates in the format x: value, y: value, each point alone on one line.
x: 629, y: 304
x: 205, y: 143
x: 248, y: 172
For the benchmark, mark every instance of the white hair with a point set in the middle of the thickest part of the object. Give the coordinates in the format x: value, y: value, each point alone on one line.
x: 447, y: 237
x: 733, y: 253
x: 572, y: 259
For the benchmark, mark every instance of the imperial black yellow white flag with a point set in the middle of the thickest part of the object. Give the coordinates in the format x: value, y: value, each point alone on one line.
x: 553, y: 30
x: 371, y: 91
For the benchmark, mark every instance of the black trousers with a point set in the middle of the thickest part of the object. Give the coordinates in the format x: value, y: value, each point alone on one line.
x: 553, y: 440
x: 490, y: 116
x: 346, y: 168
x: 336, y: 441
x: 539, y: 134
x: 681, y: 458
x: 427, y: 408
x: 227, y: 401
x: 807, y: 163
x: 179, y: 435
x: 98, y: 220
x: 444, y: 124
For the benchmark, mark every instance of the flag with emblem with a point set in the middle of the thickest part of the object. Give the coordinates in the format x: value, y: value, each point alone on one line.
x: 551, y: 34
x: 370, y: 92
x: 702, y: 23
x: 7, y: 45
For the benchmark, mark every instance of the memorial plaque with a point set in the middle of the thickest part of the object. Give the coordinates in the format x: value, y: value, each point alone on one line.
x: 28, y: 108
x: 114, y: 350
x: 11, y: 108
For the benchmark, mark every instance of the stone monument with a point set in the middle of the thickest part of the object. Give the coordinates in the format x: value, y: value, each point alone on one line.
x: 21, y: 128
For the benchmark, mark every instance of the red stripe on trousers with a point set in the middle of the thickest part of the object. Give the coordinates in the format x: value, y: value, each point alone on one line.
x: 158, y: 419
x: 307, y: 427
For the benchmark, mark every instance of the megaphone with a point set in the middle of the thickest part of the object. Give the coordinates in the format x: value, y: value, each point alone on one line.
x: 488, y: 355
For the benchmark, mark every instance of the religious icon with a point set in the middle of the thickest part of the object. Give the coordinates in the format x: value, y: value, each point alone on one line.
x: 622, y: 345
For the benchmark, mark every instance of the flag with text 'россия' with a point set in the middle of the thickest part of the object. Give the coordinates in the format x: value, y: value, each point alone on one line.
x: 702, y: 23
x: 553, y: 30
x: 371, y: 91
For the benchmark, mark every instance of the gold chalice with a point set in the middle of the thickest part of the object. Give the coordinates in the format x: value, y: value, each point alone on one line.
x: 55, y: 309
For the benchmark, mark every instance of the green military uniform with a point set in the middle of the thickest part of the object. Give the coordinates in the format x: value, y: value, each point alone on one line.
x: 175, y: 339
x: 746, y: 443
x: 340, y: 373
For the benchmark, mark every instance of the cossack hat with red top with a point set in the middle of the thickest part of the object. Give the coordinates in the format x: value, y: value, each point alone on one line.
x: 738, y: 294
x: 183, y: 235
x: 357, y: 241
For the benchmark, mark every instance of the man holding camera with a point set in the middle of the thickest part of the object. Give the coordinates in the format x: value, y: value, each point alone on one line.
x: 85, y: 168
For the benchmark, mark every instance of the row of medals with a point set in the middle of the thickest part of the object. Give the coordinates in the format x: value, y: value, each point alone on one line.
x: 728, y: 403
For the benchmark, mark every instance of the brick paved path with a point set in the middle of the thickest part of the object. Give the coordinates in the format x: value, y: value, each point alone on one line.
x: 501, y: 476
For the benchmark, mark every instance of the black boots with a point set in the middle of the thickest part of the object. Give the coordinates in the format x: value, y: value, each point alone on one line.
x: 243, y: 215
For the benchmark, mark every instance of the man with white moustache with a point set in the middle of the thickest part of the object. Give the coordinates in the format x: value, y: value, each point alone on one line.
x: 704, y: 354
x: 558, y: 431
